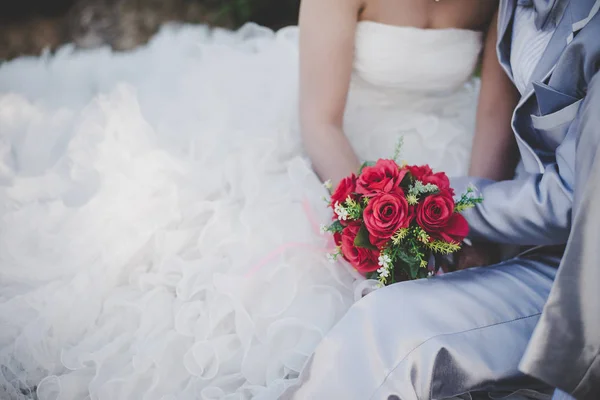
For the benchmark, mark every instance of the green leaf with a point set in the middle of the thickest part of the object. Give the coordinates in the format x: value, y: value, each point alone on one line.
x: 465, y: 204
x: 415, y: 267
x: 336, y: 226
x: 407, y: 181
x: 441, y: 247
x: 467, y: 200
x: 354, y: 208
x: 362, y: 239
x: 398, y: 149
x: 372, y: 275
x: 407, y: 258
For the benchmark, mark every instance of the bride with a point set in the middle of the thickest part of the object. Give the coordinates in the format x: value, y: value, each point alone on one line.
x: 159, y: 217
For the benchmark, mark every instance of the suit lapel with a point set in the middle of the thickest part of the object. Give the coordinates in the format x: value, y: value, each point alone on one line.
x: 574, y: 15
x: 544, y: 68
x: 555, y: 48
x: 583, y: 11
x: 569, y: 16
x: 505, y: 21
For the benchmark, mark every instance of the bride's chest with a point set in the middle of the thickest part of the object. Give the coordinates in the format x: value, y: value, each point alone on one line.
x: 413, y: 59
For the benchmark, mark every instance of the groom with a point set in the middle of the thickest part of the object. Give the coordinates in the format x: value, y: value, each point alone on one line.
x: 484, y: 329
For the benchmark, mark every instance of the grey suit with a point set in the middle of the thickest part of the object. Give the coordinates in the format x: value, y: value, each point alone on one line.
x: 565, y: 348
x: 468, y: 331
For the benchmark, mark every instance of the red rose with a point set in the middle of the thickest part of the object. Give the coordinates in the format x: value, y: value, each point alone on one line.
x: 337, y: 238
x: 385, y: 176
x: 385, y: 214
x: 345, y: 189
x: 362, y: 259
x: 435, y: 214
x: 424, y: 174
x: 457, y: 229
x: 419, y: 171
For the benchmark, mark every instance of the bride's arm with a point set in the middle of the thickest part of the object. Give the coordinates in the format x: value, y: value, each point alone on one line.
x: 494, y: 153
x: 327, y: 29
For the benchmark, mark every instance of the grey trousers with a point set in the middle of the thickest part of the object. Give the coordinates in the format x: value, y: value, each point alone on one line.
x: 435, y: 338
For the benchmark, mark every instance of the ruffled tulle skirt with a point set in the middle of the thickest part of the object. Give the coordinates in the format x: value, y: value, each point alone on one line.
x: 159, y: 223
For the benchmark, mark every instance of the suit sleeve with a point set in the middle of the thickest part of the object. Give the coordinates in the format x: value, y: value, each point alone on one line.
x: 565, y: 348
x: 535, y: 209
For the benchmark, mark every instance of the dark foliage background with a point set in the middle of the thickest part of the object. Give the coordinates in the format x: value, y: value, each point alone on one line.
x: 272, y: 13
x: 29, y: 27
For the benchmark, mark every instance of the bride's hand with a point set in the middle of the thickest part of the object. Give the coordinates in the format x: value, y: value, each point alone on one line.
x: 477, y: 255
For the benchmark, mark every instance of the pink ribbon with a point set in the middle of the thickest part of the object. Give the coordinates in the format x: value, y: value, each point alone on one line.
x: 314, y: 222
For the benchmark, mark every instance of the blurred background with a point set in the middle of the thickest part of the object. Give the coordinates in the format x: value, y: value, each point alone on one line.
x: 29, y: 27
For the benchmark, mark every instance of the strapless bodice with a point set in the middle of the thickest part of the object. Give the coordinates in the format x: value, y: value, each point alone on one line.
x: 416, y: 84
x: 414, y: 59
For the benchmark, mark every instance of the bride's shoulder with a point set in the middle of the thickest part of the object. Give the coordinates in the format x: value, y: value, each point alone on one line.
x: 333, y: 7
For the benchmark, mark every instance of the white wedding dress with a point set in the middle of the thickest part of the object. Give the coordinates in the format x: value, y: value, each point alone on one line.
x: 159, y: 222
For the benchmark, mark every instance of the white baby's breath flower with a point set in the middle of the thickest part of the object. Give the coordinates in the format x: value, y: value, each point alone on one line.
x: 340, y: 211
x: 327, y: 184
x: 331, y: 257
x: 384, y: 260
x: 323, y: 229
x: 383, y: 272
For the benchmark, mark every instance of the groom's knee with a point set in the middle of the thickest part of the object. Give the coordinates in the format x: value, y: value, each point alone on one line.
x: 420, y: 338
x: 379, y: 337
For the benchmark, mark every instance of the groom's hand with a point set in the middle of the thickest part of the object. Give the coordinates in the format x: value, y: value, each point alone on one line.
x: 477, y: 255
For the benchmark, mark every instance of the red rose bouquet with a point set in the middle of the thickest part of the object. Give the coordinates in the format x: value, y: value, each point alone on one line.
x: 391, y: 220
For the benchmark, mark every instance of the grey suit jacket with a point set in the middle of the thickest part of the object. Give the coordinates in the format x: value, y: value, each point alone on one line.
x: 536, y: 208
x: 557, y: 128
